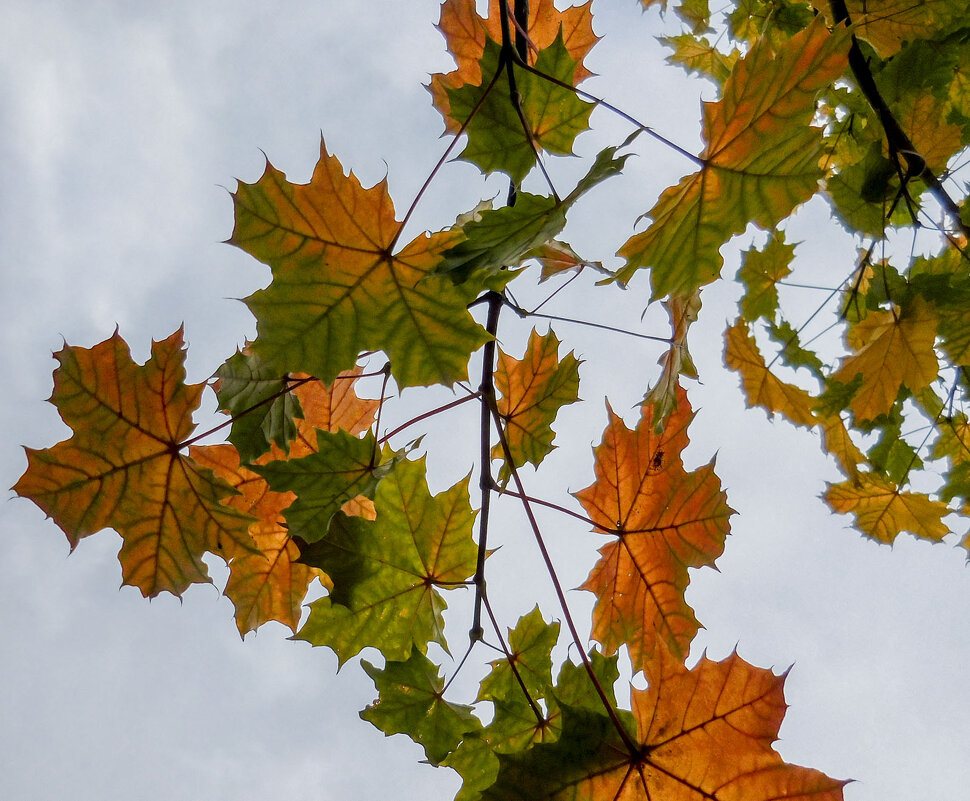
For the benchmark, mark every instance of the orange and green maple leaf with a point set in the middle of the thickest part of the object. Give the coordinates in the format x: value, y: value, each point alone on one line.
x: 271, y: 584
x: 533, y: 390
x: 761, y: 161
x: 466, y: 33
x: 123, y: 467
x: 703, y: 734
x: 338, y: 289
x: 665, y: 520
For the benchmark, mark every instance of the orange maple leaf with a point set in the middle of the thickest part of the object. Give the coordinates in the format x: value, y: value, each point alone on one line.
x: 123, y: 467
x: 270, y: 584
x: 703, y: 734
x: 465, y: 32
x: 665, y: 520
x: 533, y: 389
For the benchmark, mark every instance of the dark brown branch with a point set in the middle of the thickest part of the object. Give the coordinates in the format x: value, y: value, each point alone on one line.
x: 899, y: 142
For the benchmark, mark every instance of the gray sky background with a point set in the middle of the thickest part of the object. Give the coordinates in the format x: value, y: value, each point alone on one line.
x: 121, y: 125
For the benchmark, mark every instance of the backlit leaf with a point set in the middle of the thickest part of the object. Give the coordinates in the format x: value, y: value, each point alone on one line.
x: 882, y: 510
x: 761, y: 161
x: 533, y: 390
x: 466, y: 33
x: 761, y: 386
x: 703, y: 734
x: 123, y: 468
x: 760, y: 272
x: 386, y: 573
x: 263, y: 411
x: 530, y: 644
x: 411, y: 702
x: 666, y: 520
x: 270, y: 584
x: 340, y: 467
x: 892, y: 349
x: 555, y: 115
x: 338, y: 289
x: 677, y: 361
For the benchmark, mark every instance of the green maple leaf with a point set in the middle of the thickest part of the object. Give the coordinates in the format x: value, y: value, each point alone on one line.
x: 530, y: 643
x: 496, y: 137
x: 792, y: 353
x: 760, y: 272
x: 574, y: 688
x: 386, y: 573
x: 245, y: 383
x: 411, y: 702
x: 519, y: 721
x: 338, y: 289
x: 343, y: 467
x: 761, y: 161
x: 497, y: 238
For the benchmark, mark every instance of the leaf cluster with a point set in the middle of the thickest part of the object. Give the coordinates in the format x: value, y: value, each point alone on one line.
x: 867, y: 107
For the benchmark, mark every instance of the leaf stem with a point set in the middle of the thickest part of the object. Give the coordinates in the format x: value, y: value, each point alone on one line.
x: 426, y: 415
x: 557, y: 586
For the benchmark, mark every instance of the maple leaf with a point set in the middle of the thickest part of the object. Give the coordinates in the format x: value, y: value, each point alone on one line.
x: 836, y: 440
x: 887, y: 24
x: 530, y: 644
x: 557, y: 257
x: 760, y: 272
x: 385, y: 572
x: 665, y: 520
x: 263, y: 411
x: 466, y: 33
x: 882, y: 510
x: 700, y: 56
x: 338, y: 289
x: 892, y: 348
x: 553, y: 114
x: 270, y: 584
x: 340, y: 467
x: 411, y: 702
x: 761, y: 386
x: 677, y: 361
x: 703, y: 734
x: 533, y: 390
x: 496, y: 239
x: 123, y: 469
x: 761, y: 161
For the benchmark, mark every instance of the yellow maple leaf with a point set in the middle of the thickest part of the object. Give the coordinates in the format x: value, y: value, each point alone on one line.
x: 761, y: 386
x: 892, y: 349
x: 882, y: 510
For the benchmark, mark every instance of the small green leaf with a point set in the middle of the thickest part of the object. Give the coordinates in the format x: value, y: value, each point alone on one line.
x: 760, y: 272
x: 531, y: 643
x: 411, y: 702
x: 496, y: 137
x: 343, y: 467
x: 263, y: 411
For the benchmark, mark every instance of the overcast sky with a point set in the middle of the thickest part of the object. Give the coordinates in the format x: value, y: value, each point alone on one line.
x: 121, y: 126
